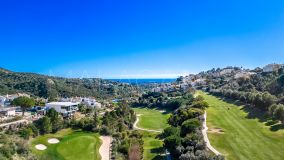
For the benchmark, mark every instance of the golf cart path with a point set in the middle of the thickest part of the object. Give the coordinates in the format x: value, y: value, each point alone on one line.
x: 15, y: 122
x: 206, y: 139
x: 105, y: 147
x: 143, y: 129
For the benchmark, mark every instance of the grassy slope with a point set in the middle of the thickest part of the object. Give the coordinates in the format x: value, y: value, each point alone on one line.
x: 152, y: 146
x: 243, y: 138
x: 73, y: 146
x: 155, y: 120
x: 152, y: 119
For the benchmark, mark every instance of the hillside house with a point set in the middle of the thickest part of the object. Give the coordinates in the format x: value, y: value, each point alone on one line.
x: 91, y: 102
x: 65, y: 108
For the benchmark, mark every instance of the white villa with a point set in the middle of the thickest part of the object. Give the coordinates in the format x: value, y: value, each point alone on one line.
x: 91, y: 102
x: 5, y: 100
x: 65, y: 108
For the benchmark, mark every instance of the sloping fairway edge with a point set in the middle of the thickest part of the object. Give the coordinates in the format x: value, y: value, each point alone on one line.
x: 238, y: 137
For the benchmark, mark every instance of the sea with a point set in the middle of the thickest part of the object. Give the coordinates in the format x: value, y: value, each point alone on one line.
x: 145, y: 81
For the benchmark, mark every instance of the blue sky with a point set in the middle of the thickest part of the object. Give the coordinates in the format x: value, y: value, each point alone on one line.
x: 141, y: 38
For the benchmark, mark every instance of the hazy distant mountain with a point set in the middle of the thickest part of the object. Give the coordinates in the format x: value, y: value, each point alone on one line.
x: 51, y: 87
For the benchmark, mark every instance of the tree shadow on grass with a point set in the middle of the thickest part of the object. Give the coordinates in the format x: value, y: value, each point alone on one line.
x: 157, y: 150
x: 271, y: 122
x: 277, y: 127
x: 167, y: 110
x: 159, y: 157
x: 255, y: 113
x: 235, y: 102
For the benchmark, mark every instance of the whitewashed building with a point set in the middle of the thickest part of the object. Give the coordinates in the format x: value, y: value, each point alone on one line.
x: 91, y: 102
x: 65, y: 108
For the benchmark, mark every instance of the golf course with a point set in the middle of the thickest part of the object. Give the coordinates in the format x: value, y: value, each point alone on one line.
x: 152, y: 119
x: 238, y: 136
x: 72, y: 145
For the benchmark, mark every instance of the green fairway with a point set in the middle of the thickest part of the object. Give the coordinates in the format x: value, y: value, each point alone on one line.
x: 238, y: 137
x: 155, y: 120
x: 153, y: 147
x: 152, y: 119
x: 73, y: 145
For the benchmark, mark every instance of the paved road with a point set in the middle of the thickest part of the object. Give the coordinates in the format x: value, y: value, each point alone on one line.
x: 204, y: 132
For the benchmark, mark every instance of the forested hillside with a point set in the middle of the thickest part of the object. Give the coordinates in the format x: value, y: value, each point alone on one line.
x: 52, y: 87
x: 261, y: 88
x: 238, y: 79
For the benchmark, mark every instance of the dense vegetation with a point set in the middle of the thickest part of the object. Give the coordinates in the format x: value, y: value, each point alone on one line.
x: 13, y: 146
x: 262, y: 90
x: 169, y: 101
x: 183, y: 139
x: 118, y: 120
x: 52, y: 87
x: 127, y: 144
x: 261, y: 100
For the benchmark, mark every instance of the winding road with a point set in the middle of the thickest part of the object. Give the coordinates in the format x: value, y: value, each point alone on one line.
x: 206, y: 139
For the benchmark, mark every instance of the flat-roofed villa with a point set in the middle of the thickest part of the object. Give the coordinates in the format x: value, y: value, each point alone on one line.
x: 65, y: 108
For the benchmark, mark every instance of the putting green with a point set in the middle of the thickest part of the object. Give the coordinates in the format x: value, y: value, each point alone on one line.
x: 152, y: 119
x: 73, y: 145
x: 239, y: 137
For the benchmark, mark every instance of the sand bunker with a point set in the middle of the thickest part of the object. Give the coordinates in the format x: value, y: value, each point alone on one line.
x: 40, y: 147
x: 105, y: 147
x: 216, y: 130
x: 53, y: 141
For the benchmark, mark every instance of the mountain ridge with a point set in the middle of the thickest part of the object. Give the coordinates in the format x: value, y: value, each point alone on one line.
x: 52, y: 86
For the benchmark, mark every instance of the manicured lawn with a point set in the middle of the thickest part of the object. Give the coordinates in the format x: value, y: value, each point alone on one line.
x: 73, y: 145
x: 155, y: 120
x: 242, y: 137
x: 152, y: 119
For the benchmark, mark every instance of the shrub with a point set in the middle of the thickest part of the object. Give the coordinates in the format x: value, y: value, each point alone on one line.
x: 189, y: 126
